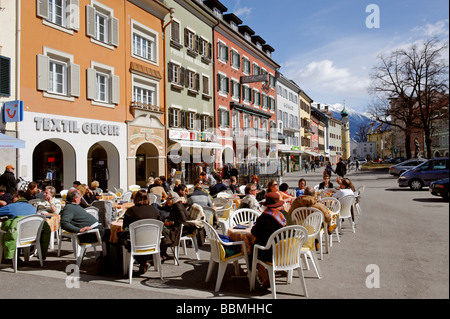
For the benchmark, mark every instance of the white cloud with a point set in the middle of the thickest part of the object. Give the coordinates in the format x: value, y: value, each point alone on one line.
x: 243, y: 12
x: 429, y: 30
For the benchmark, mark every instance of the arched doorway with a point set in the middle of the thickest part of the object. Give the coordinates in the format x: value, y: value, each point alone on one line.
x: 147, y: 163
x: 103, y: 165
x: 54, y: 164
x: 227, y: 156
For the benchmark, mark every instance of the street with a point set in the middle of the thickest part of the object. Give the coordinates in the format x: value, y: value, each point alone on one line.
x: 400, y: 251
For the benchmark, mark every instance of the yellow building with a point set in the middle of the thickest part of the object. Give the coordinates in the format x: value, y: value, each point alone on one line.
x: 305, y: 127
x: 382, y: 136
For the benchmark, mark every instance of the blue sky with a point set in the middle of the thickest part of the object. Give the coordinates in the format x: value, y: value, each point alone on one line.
x: 326, y: 47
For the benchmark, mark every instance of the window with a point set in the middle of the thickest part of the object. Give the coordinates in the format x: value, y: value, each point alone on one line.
x: 101, y: 25
x: 256, y: 69
x: 246, y: 94
x: 145, y: 91
x: 174, y: 117
x: 205, y: 81
x: 205, y: 50
x: 223, y: 84
x: 5, y: 76
x: 57, y: 75
x: 190, y: 40
x: 176, y: 75
x: 223, y: 52
x: 235, y: 59
x: 235, y: 90
x: 60, y: 14
x: 224, y: 118
x: 256, y: 98
x: 246, y: 65
x: 102, y: 85
x: 144, y: 42
x: 192, y: 81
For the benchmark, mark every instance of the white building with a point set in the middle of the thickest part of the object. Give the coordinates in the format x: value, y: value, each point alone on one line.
x: 363, y: 149
x: 288, y: 123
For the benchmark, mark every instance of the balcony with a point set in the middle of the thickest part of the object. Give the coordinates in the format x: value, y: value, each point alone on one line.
x: 139, y: 108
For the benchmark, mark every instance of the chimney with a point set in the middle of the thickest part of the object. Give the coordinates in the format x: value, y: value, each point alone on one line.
x: 326, y: 108
x: 318, y: 106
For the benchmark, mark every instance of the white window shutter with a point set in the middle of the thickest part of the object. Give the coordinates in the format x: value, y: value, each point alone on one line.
x: 42, y: 72
x: 91, y: 84
x: 114, y: 40
x: 42, y: 8
x: 73, y: 14
x: 74, y: 80
x: 90, y: 21
x: 115, y: 89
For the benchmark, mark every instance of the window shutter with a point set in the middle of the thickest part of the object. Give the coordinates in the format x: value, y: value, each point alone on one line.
x: 209, y: 51
x: 42, y: 8
x: 226, y: 54
x: 171, y: 117
x: 114, y: 27
x: 74, y: 80
x: 196, y: 44
x: 232, y: 87
x: 227, y: 114
x: 219, y: 82
x: 181, y: 76
x: 73, y: 10
x: 42, y: 72
x: 90, y: 21
x: 197, y: 81
x: 239, y: 60
x: 227, y: 89
x: 115, y: 92
x: 186, y: 37
x: 91, y: 84
x: 5, y: 76
x: 170, y: 72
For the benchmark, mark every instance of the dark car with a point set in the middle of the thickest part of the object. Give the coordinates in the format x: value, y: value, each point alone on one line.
x: 425, y: 173
x: 440, y: 188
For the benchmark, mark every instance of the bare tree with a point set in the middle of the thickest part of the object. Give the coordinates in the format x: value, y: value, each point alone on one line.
x: 406, y: 84
x: 361, y: 134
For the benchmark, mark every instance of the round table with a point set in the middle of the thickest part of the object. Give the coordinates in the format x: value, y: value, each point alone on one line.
x: 116, y: 228
x: 245, y: 235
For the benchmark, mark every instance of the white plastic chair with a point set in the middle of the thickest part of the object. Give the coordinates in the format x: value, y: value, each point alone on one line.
x: 29, y: 231
x: 145, y: 238
x: 334, y: 206
x: 219, y: 202
x: 358, y: 194
x: 242, y: 216
x: 312, y: 223
x: 127, y: 196
x: 224, y: 215
x: 82, y: 247
x: 92, y: 210
x: 345, y: 213
x: 209, y: 214
x: 286, y: 244
x: 152, y: 198
x: 224, y: 194
x: 218, y: 255
x: 183, y: 239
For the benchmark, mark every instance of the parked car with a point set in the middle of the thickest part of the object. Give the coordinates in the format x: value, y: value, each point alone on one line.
x: 425, y: 173
x: 399, y: 169
x: 440, y: 188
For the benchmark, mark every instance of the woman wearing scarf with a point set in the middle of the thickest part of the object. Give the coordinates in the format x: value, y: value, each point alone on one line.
x: 267, y: 223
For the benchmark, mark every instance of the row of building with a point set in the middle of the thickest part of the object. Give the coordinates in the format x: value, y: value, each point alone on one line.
x: 117, y: 91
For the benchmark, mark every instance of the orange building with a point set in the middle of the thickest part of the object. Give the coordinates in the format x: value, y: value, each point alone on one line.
x: 91, y: 81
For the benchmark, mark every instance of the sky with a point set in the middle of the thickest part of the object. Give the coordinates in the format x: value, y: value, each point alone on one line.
x: 329, y: 47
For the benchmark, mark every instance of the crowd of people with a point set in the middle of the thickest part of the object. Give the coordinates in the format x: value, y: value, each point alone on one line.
x: 177, y: 206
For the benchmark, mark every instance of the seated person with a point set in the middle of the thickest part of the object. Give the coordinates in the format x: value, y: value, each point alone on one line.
x: 300, y: 190
x: 309, y: 200
x: 49, y: 203
x: 178, y: 216
x: 284, y: 188
x: 5, y: 198
x: 266, y: 224
x: 75, y: 219
x: 234, y: 186
x: 19, y: 207
x: 345, y: 188
x: 199, y: 196
x: 272, y: 187
x: 83, y: 202
x: 142, y: 210
x: 218, y: 187
x: 250, y: 201
x: 32, y: 191
x: 326, y: 182
x: 158, y: 189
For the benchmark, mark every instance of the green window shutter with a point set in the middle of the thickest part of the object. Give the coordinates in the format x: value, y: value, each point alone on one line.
x: 227, y: 89
x: 227, y: 53
x: 219, y: 82
x: 228, y: 118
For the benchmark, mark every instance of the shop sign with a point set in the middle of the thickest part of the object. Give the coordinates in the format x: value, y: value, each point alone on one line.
x: 12, y: 111
x: 190, y: 136
x: 67, y: 126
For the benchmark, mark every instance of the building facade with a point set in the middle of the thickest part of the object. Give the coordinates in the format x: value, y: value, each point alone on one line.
x: 288, y: 124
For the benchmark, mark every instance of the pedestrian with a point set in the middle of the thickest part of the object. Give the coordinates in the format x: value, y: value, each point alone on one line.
x: 306, y: 167
x: 329, y: 169
x: 357, y: 164
x: 8, y: 180
x: 341, y: 168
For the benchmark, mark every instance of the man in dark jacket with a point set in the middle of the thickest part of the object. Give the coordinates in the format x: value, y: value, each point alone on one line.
x: 341, y: 168
x: 8, y: 180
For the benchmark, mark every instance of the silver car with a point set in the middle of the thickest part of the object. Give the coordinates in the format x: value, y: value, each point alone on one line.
x: 399, y: 169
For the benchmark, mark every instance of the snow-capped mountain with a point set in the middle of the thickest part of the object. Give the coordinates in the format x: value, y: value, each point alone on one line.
x: 356, y: 118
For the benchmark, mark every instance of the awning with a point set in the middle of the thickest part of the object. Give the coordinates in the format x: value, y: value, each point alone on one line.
x: 7, y: 141
x: 196, y: 144
x: 288, y: 150
x: 313, y: 154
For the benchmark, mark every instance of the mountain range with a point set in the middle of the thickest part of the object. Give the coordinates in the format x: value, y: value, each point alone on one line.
x: 356, y: 118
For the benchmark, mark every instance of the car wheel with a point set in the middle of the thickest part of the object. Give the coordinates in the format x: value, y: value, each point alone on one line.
x: 416, y: 185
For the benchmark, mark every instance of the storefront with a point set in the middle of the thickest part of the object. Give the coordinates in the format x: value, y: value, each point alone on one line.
x: 146, y: 157
x: 62, y: 149
x: 190, y: 153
